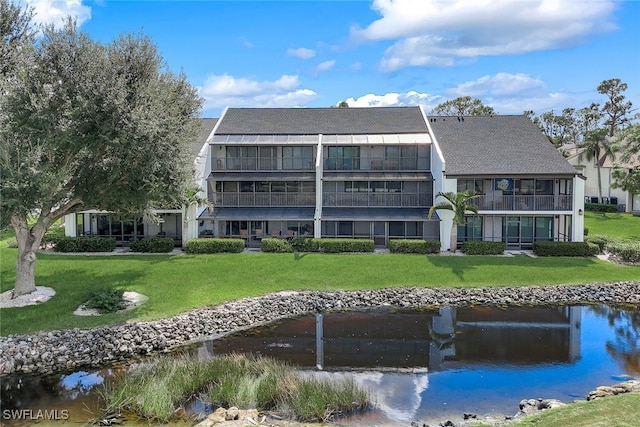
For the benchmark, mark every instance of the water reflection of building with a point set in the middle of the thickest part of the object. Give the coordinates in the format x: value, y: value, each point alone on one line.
x: 417, y: 339
x: 390, y: 352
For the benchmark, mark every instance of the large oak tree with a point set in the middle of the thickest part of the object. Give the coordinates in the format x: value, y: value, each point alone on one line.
x: 87, y: 125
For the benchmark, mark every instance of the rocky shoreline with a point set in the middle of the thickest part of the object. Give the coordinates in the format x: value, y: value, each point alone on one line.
x: 50, y: 352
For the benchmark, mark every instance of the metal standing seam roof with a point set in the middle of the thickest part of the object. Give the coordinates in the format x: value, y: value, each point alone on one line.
x: 496, y: 145
x: 327, y: 121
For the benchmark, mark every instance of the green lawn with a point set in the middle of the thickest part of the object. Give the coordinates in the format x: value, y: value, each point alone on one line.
x: 616, y: 411
x: 181, y: 282
x: 622, y: 225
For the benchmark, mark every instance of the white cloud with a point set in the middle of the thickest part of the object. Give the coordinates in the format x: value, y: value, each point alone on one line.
x: 441, y: 33
x: 506, y: 93
x: 225, y: 90
x: 325, y: 66
x: 395, y: 99
x: 57, y: 11
x: 302, y: 53
x: 539, y: 103
x: 500, y: 85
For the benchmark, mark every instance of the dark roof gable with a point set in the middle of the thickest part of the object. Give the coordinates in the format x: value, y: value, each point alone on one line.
x: 207, y: 126
x: 314, y: 121
x: 496, y: 145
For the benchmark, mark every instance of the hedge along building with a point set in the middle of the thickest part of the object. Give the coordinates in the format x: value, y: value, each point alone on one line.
x: 374, y: 172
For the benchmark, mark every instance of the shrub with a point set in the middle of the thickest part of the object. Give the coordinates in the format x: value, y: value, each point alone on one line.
x: 414, y: 246
x: 600, y: 207
x: 625, y: 251
x: 586, y: 231
x: 106, y: 300
x: 275, y: 245
x: 305, y: 244
x: 347, y: 245
x: 154, y: 244
x: 12, y: 242
x: 84, y: 244
x: 213, y: 246
x: 581, y: 249
x: 598, y: 241
x: 482, y: 248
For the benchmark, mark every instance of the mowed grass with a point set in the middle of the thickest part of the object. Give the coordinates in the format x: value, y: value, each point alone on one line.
x: 622, y: 225
x: 615, y: 411
x: 177, y: 283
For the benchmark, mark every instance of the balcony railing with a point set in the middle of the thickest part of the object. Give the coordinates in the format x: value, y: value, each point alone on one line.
x: 523, y: 203
x: 376, y: 164
x: 377, y: 199
x: 330, y: 164
x: 236, y: 199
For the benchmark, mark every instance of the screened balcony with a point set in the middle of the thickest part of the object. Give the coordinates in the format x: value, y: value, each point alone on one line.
x: 377, y: 200
x: 262, y: 193
x: 523, y: 203
x: 237, y: 199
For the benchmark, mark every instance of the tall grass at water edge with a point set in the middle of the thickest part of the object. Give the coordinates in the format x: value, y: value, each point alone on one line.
x: 160, y: 390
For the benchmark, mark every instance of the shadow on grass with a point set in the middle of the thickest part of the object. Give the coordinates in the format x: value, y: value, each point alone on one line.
x: 462, y: 265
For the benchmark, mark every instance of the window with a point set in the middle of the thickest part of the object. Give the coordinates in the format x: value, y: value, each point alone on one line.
x: 242, y: 158
x: 475, y: 185
x: 268, y: 158
x: 344, y: 158
x: 402, y: 157
x: 544, y: 228
x: 472, y: 230
x: 524, y: 186
x: 544, y: 187
x: 345, y: 228
x: 373, y: 186
x: 297, y: 158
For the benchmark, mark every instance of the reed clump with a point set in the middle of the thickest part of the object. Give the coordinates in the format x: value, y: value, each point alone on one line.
x: 162, y: 389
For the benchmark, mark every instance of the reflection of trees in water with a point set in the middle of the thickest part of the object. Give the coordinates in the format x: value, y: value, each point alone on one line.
x: 625, y: 348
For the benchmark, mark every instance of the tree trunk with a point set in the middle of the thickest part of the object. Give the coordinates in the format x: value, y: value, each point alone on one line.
x: 454, y: 237
x: 28, y: 244
x: 599, y: 182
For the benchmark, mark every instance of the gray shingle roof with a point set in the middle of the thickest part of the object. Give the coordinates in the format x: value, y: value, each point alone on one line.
x: 207, y: 127
x: 313, y: 121
x: 496, y: 145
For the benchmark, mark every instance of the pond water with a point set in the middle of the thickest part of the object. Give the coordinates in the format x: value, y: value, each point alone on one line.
x: 421, y: 365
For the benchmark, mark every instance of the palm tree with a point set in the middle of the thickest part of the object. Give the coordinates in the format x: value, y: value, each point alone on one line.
x: 597, y: 147
x: 459, y: 204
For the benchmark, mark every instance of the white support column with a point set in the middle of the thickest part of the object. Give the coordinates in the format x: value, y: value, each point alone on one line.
x: 317, y: 215
x: 70, y: 227
x: 577, y: 225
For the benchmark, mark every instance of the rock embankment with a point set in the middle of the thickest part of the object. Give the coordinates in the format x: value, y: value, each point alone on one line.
x: 68, y: 350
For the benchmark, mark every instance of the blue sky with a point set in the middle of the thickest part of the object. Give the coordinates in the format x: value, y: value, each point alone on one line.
x: 514, y: 55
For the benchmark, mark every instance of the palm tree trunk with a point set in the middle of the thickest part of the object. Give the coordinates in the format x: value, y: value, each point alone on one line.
x: 454, y: 237
x: 599, y: 181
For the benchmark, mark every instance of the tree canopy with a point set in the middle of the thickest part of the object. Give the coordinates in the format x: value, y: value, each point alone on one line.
x: 463, y: 106
x: 87, y: 125
x: 626, y: 173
